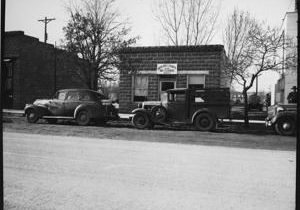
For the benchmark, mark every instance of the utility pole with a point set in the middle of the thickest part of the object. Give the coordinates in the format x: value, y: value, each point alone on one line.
x: 46, y: 21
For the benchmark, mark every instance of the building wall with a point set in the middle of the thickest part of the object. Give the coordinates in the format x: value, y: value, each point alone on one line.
x: 202, y: 60
x: 38, y: 68
x: 289, y: 77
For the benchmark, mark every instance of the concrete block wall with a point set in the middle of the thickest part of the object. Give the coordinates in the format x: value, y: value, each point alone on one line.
x: 188, y: 58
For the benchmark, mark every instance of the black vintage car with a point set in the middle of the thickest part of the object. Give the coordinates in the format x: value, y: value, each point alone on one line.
x: 81, y: 105
x: 283, y: 118
x: 199, y: 107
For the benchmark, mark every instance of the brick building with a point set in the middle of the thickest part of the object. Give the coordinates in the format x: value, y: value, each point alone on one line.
x: 33, y: 69
x: 147, y: 71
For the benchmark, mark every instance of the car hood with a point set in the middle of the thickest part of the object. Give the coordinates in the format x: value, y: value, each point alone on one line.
x: 42, y: 102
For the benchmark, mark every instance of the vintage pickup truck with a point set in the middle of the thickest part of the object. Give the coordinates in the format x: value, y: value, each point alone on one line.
x: 283, y: 118
x: 199, y: 107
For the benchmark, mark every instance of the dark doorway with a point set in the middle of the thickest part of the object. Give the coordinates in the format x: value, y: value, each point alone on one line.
x: 7, y: 83
x: 196, y: 86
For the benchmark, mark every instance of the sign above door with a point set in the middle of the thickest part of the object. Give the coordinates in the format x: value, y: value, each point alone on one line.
x: 166, y: 68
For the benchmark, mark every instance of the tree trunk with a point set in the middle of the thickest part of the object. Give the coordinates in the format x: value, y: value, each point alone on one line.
x: 93, y: 79
x: 246, y: 118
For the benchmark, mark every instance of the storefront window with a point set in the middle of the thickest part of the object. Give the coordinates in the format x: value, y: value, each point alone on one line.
x: 140, y: 88
x: 196, y: 81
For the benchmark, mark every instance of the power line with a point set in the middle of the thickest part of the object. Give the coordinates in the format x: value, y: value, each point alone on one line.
x: 46, y: 21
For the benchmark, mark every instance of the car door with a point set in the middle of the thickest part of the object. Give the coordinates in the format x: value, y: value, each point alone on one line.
x: 71, y: 102
x: 56, y: 105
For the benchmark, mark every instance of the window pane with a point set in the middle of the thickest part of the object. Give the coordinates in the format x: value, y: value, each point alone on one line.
x: 62, y: 96
x: 167, y: 85
x: 73, y: 96
x: 140, y: 88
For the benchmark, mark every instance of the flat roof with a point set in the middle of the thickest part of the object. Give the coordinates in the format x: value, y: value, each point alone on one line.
x: 197, y: 48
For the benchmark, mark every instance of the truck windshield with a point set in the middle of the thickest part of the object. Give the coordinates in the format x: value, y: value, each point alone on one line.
x: 180, y: 96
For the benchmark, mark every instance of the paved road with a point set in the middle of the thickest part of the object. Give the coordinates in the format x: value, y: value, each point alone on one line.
x: 56, y: 172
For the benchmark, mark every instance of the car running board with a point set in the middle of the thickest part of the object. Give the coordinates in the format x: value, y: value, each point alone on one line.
x: 58, y: 117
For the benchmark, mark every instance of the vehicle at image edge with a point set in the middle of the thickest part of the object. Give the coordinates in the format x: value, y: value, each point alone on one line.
x: 283, y: 118
x: 199, y: 107
x: 82, y: 105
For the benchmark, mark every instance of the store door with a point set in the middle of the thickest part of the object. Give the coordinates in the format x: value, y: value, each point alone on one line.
x: 166, y: 85
x: 7, y: 84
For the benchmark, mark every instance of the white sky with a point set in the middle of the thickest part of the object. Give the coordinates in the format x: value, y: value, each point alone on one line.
x: 24, y: 14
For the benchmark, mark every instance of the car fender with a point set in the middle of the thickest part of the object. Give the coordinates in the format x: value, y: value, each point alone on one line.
x: 204, y: 110
x: 94, y: 111
x: 41, y: 110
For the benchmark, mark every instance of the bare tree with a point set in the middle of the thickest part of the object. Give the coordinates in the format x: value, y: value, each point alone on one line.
x: 96, y: 33
x: 252, y: 49
x: 188, y: 22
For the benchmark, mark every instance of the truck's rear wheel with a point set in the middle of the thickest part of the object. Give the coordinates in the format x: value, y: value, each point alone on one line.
x: 204, y: 122
x: 141, y: 120
x: 285, y: 126
x: 32, y: 116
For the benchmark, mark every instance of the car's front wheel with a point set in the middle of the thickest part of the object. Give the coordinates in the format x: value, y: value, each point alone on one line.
x: 141, y: 120
x: 83, y: 118
x: 204, y: 122
x: 32, y: 116
x: 285, y: 126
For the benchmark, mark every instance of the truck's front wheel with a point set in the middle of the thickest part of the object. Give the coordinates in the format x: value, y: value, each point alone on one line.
x: 285, y: 126
x: 141, y: 120
x: 204, y: 122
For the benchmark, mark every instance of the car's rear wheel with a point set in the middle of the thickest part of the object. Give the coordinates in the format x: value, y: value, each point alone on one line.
x: 204, y: 122
x: 83, y: 118
x: 141, y: 120
x: 32, y: 116
x: 285, y: 126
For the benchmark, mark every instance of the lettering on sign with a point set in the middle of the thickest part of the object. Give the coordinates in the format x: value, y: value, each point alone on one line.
x: 167, y: 68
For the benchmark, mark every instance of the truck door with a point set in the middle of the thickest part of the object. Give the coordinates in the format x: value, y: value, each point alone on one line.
x: 177, y: 106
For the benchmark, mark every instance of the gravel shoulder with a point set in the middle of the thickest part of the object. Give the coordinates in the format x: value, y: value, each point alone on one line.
x: 228, y: 135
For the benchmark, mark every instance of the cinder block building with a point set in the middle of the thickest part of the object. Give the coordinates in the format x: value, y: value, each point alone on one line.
x: 147, y: 71
x: 34, y: 69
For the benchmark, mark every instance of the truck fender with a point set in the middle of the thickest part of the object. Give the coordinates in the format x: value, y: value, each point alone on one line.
x: 204, y: 110
x: 41, y: 111
x: 143, y: 111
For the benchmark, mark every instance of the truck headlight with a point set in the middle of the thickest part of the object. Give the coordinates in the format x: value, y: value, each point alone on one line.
x: 279, y: 109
